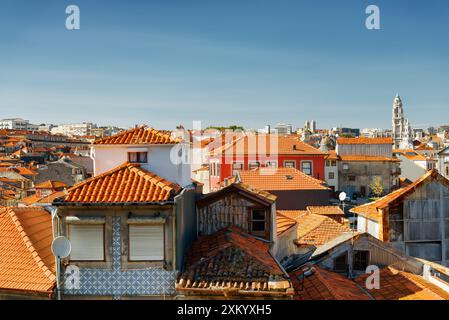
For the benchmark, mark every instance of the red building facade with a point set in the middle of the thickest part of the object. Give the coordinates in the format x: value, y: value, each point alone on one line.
x: 262, y: 151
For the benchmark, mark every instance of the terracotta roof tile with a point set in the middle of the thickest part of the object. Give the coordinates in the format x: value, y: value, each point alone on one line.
x: 315, y: 229
x: 312, y: 282
x: 231, y: 259
x: 49, y: 184
x: 326, y: 210
x: 127, y: 183
x: 284, y: 223
x: 140, y: 135
x: 401, y: 285
x: 280, y: 179
x: 363, y: 140
x: 363, y: 158
x: 26, y: 261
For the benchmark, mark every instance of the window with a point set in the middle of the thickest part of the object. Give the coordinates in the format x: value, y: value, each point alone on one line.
x: 396, y: 222
x: 306, y: 167
x: 146, y: 242
x: 236, y: 166
x: 271, y: 164
x: 341, y: 263
x: 361, y: 260
x: 345, y: 166
x: 331, y: 175
x: 289, y: 164
x: 138, y: 157
x: 87, y: 242
x: 258, y: 221
x: 333, y: 163
x: 351, y: 178
x: 253, y: 165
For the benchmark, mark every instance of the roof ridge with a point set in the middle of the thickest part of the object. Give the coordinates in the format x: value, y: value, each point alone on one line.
x: 27, y: 242
x: 106, y: 173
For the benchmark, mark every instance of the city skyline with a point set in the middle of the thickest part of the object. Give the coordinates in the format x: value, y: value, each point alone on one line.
x: 156, y: 63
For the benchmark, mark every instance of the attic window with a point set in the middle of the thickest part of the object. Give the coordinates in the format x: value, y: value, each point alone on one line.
x: 138, y: 157
x: 341, y: 263
x: 289, y: 177
x: 294, y: 147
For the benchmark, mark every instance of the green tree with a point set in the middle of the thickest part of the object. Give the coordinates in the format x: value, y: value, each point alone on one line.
x: 376, y: 187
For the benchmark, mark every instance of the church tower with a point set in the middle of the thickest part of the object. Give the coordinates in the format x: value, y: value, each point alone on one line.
x: 398, y: 122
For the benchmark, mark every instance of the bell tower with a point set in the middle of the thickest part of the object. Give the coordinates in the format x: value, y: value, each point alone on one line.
x: 398, y: 121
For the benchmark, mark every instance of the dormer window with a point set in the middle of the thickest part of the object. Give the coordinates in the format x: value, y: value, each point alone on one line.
x: 138, y: 157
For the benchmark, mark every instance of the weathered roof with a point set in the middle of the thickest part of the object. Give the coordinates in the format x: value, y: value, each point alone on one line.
x: 401, y: 285
x: 363, y: 158
x: 312, y: 282
x: 234, y: 262
x: 273, y: 179
x: 127, y: 183
x: 139, y: 135
x: 371, y: 210
x: 284, y: 223
x: 26, y: 261
x: 242, y: 187
x: 315, y: 229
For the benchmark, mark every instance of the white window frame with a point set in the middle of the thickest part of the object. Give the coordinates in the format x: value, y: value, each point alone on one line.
x: 268, y: 163
x: 252, y: 162
x: 292, y: 161
x: 311, y: 167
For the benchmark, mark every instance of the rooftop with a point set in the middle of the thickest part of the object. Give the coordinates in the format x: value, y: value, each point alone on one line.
x: 26, y: 261
x: 280, y: 179
x: 127, y: 183
x: 234, y: 262
x: 401, y: 285
x: 371, y: 210
x: 312, y: 282
x: 139, y: 135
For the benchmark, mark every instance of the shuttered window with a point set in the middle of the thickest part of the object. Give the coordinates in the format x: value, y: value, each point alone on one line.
x: 87, y: 242
x: 146, y: 242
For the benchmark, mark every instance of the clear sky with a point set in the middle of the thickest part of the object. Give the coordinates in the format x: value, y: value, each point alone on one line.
x: 245, y: 62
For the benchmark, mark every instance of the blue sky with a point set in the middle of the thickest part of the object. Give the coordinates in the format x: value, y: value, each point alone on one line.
x: 248, y: 62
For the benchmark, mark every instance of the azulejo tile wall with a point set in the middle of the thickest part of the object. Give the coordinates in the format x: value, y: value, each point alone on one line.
x: 118, y: 282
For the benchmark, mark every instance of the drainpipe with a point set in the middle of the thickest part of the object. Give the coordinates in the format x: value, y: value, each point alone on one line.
x: 55, y: 223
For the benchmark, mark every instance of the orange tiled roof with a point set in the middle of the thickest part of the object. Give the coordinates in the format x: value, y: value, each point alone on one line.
x: 127, y: 183
x: 140, y: 135
x: 49, y: 184
x: 261, y: 144
x: 284, y: 223
x: 325, y: 210
x: 233, y: 260
x: 314, y: 229
x: 332, y: 155
x: 371, y: 210
x: 280, y: 179
x: 26, y: 261
x: 363, y: 140
x: 363, y: 158
x: 28, y: 201
x: 401, y: 285
x: 312, y: 282
x: 25, y: 171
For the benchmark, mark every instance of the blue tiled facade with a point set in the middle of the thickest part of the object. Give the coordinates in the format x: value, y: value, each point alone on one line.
x: 118, y: 282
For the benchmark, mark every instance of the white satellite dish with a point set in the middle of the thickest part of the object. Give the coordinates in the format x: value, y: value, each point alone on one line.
x: 61, y: 247
x: 342, y: 196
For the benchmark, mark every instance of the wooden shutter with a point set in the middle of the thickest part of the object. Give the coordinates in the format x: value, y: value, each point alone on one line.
x: 146, y: 243
x: 87, y: 242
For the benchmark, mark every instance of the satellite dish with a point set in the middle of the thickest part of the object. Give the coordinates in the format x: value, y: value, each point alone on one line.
x: 342, y: 196
x: 61, y: 247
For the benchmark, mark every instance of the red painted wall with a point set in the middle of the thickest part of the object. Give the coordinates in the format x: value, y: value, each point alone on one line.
x: 226, y: 166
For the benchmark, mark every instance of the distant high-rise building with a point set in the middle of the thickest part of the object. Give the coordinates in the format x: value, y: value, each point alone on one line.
x: 402, y: 131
